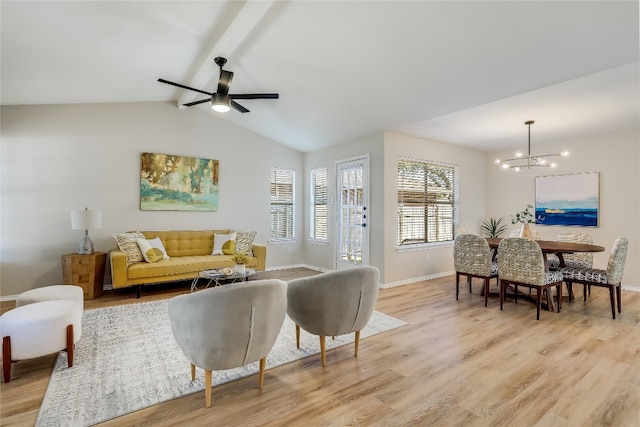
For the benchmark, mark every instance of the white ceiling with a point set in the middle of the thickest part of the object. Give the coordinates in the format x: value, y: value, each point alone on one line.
x: 467, y: 73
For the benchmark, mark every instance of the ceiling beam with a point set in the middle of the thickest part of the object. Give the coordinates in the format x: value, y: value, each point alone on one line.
x: 241, y: 26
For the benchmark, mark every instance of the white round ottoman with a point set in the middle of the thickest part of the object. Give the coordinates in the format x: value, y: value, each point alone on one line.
x: 38, y: 329
x: 51, y: 293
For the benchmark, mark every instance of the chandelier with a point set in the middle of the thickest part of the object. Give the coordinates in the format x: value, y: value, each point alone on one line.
x: 521, y: 161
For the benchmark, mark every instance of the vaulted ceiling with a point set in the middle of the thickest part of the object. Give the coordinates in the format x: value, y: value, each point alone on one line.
x: 467, y: 73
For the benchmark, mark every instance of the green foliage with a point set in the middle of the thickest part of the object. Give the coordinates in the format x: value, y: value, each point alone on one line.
x: 492, y: 227
x: 525, y: 216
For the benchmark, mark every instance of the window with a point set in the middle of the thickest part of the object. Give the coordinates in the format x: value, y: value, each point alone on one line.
x: 282, y: 204
x: 318, y: 227
x: 426, y: 202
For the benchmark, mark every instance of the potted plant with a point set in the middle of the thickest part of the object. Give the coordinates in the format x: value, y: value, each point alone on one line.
x: 240, y: 259
x: 525, y: 217
x: 492, y: 227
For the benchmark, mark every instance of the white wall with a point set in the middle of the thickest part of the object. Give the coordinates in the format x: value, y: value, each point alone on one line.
x: 615, y: 156
x: 402, y: 265
x: 58, y: 158
x: 324, y: 255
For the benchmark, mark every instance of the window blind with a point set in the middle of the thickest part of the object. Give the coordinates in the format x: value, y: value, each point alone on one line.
x: 426, y: 202
x: 318, y: 229
x: 282, y: 204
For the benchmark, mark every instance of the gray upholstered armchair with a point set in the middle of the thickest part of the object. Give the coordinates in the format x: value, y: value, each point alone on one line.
x: 334, y: 303
x: 228, y: 326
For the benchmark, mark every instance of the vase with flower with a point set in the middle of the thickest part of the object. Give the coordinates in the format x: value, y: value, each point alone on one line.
x: 525, y: 217
x: 240, y: 259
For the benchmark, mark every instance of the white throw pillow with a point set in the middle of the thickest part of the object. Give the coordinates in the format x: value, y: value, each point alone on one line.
x: 152, y: 250
x: 224, y: 244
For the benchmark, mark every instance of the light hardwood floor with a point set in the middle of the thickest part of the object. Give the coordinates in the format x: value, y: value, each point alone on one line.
x: 457, y: 363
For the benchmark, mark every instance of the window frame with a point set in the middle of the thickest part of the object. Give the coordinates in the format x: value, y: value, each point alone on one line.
x: 289, y: 228
x: 429, y: 202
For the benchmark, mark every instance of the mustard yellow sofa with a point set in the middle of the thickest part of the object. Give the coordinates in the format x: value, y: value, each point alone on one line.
x: 189, y: 253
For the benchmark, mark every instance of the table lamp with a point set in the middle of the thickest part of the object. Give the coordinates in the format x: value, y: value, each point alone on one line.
x: 84, y: 220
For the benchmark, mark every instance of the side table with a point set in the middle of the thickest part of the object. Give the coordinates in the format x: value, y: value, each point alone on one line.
x: 86, y: 271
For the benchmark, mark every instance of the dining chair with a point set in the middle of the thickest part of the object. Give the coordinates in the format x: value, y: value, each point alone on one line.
x: 520, y: 262
x: 580, y: 259
x: 610, y: 278
x: 472, y: 258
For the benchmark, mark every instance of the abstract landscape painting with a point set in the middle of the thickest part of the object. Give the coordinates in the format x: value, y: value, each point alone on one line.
x: 178, y: 183
x: 568, y: 199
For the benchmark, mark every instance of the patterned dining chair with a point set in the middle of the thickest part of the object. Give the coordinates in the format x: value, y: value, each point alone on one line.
x: 472, y: 258
x: 580, y: 259
x: 610, y: 278
x: 520, y: 262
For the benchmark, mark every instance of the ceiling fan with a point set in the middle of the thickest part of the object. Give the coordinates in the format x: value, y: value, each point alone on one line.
x: 221, y: 100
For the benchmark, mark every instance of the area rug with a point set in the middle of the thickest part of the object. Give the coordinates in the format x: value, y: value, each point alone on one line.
x: 127, y: 360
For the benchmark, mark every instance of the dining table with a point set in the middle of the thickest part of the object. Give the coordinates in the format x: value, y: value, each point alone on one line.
x: 551, y: 247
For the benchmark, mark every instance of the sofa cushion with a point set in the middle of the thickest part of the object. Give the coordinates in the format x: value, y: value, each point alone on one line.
x: 182, y: 265
x: 152, y: 249
x: 224, y: 244
x: 244, y: 241
x: 186, y: 243
x: 127, y: 242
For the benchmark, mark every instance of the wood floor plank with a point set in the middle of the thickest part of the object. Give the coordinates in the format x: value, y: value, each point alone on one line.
x: 456, y: 363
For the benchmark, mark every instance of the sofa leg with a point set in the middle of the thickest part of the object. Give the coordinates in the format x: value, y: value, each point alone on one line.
x: 139, y: 291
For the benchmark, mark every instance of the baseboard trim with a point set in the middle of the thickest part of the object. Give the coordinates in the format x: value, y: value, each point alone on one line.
x: 417, y: 279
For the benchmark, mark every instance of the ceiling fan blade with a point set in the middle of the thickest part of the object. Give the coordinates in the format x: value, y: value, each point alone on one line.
x: 202, y: 101
x: 183, y: 86
x: 224, y: 82
x: 238, y: 107
x: 254, y: 96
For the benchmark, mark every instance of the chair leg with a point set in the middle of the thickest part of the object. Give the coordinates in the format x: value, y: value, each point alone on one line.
x: 469, y: 282
x: 323, y: 355
x: 570, y: 291
x: 559, y: 292
x: 486, y: 291
x: 193, y: 372
x: 357, y: 342
x: 619, y: 295
x: 515, y: 293
x: 613, y: 303
x: 263, y: 363
x: 584, y: 291
x: 207, y: 388
x: 501, y: 293
x: 297, y: 336
x: 70, y: 346
x: 538, y: 301
x: 6, y: 358
x: 457, y: 285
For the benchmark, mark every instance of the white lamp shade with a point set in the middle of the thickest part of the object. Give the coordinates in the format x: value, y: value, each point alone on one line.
x: 86, y: 219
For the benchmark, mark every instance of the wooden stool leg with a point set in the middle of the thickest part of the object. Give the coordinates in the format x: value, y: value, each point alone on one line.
x: 297, y: 336
x: 70, y: 345
x: 6, y: 358
x: 263, y: 362
x: 207, y: 388
x: 193, y: 372
x: 357, y: 342
x: 323, y: 354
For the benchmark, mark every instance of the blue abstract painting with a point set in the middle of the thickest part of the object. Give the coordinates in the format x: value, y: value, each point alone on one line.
x: 568, y: 199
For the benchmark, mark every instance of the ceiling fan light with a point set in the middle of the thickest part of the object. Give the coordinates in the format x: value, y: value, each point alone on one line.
x: 564, y: 153
x: 220, y: 103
